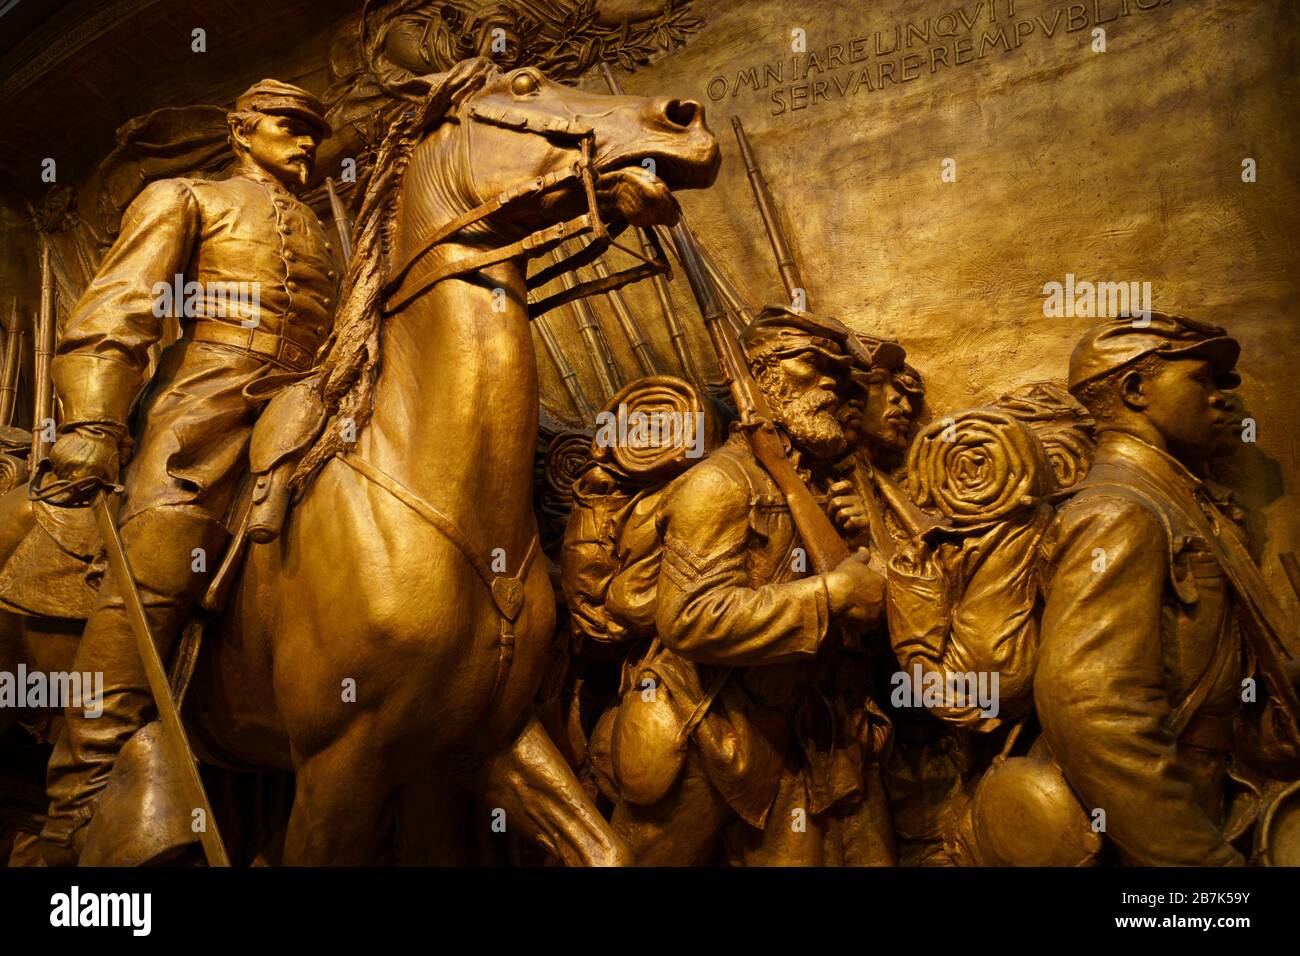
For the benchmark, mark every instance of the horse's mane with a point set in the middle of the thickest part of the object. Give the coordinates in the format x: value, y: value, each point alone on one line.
x: 351, y: 365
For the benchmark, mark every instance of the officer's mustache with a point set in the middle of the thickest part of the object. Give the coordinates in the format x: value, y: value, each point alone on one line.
x: 303, y: 161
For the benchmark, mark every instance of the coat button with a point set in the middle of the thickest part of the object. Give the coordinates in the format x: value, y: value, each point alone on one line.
x: 330, y: 274
x: 290, y: 256
x: 293, y: 286
x: 324, y: 301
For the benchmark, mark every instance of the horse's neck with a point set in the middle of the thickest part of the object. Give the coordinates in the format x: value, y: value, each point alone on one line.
x: 455, y: 416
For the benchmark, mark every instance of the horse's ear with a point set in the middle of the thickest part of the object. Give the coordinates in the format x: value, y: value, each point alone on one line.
x: 451, y: 89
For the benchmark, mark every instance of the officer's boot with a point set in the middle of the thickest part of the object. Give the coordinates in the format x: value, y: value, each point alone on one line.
x: 172, y: 552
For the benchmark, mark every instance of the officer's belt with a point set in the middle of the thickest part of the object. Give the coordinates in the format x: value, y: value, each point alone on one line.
x: 274, y: 348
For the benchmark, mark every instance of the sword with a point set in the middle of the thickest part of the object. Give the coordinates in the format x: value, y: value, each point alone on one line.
x: 178, y: 746
x: 341, y: 222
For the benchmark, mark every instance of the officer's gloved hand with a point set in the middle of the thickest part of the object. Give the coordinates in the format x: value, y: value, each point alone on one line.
x: 87, y: 451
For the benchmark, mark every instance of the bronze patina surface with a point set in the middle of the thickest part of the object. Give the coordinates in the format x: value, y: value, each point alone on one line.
x: 505, y: 468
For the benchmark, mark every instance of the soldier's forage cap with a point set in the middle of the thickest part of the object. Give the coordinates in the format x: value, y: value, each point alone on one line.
x: 871, y: 352
x: 779, y: 332
x: 285, y: 99
x: 1118, y: 342
x: 782, y: 332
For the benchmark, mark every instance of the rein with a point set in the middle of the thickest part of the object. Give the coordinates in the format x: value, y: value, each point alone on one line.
x: 403, y: 288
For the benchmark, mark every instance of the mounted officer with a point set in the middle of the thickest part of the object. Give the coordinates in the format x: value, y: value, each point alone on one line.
x: 259, y: 286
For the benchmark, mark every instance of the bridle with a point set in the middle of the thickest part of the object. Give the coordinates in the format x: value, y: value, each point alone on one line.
x: 405, y: 286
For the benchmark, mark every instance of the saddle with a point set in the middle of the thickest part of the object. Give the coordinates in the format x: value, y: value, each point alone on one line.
x: 56, y: 568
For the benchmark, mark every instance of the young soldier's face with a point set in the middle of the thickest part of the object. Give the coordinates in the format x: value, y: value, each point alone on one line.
x: 1190, y: 410
x: 888, y: 413
x: 285, y: 147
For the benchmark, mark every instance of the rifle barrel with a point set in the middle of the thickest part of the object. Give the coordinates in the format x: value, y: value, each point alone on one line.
x: 8, y: 372
x: 824, y: 545
x: 589, y: 326
x: 636, y: 336
x: 572, y: 384
x: 676, y: 333
x: 785, y: 263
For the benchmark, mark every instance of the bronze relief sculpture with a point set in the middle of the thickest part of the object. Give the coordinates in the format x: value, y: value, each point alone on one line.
x: 761, y: 606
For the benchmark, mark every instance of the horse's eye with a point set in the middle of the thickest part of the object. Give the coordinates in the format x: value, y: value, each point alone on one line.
x: 523, y: 84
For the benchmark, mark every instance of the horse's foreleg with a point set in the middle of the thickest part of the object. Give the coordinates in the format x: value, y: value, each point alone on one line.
x: 529, y: 786
x: 343, y: 807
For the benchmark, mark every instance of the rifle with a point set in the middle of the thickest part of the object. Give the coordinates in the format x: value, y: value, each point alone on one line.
x: 785, y: 263
x: 825, y: 547
x: 738, y: 314
x: 676, y: 334
x: 568, y: 376
x: 741, y: 316
x: 9, y: 373
x: 636, y: 336
x: 601, y: 357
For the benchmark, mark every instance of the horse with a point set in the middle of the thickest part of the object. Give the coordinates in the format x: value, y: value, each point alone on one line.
x: 394, y: 636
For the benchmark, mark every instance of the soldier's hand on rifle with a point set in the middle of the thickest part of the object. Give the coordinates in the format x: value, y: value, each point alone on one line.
x: 856, y: 590
x: 87, y: 451
x: 847, y: 508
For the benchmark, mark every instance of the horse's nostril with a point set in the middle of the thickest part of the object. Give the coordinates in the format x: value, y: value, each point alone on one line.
x: 682, y: 112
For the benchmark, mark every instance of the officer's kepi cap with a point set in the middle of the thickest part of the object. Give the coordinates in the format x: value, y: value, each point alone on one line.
x: 1119, y: 341
x: 284, y: 99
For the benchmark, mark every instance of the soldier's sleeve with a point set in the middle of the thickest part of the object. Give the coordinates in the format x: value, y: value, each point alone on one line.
x: 706, y: 610
x: 103, y: 350
x: 1099, y: 688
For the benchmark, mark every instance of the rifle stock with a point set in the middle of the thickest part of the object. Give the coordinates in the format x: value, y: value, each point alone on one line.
x: 824, y: 545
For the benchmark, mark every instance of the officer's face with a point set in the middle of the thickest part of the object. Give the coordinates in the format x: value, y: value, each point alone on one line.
x: 285, y: 147
x: 1190, y: 411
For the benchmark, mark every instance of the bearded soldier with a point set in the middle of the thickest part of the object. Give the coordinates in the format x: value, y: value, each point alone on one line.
x: 257, y: 281
x: 1139, y: 682
x: 748, y: 732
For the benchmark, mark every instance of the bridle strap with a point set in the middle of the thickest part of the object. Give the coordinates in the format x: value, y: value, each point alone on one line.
x: 480, y: 212
x: 397, y: 296
x: 534, y: 244
x: 656, y: 265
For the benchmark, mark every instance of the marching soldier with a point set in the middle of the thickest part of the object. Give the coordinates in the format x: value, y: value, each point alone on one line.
x: 783, y: 738
x: 1139, y: 683
x: 266, y: 283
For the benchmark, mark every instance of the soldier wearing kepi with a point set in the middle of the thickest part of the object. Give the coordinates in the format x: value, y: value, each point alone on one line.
x: 1141, y: 664
x: 247, y: 234
x: 783, y: 739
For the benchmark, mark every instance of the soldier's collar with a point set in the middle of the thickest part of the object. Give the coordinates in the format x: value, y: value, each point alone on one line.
x: 1147, y: 458
x: 250, y: 170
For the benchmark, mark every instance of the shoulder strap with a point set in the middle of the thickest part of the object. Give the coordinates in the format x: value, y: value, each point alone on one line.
x: 1263, y: 617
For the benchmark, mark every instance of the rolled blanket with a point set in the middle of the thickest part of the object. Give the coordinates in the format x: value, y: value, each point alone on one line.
x: 978, y: 466
x: 653, y: 429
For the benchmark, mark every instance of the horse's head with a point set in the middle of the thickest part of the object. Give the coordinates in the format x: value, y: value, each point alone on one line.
x: 520, y: 125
